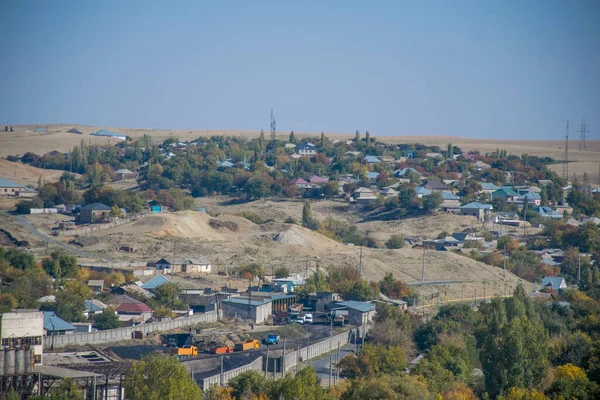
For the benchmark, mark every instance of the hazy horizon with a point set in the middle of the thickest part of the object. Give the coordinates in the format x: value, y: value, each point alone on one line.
x: 491, y: 70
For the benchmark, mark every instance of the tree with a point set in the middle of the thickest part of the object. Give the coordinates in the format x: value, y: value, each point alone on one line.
x: 159, y: 377
x: 60, y: 265
x: 357, y: 138
x: 322, y: 140
x: 433, y: 201
x: 21, y: 259
x: 523, y: 394
x: 307, y: 218
x: 514, y: 351
x: 395, y: 242
x: 282, y: 272
x: 373, y: 361
x: 168, y: 294
x: 304, y: 385
x: 247, y: 384
x: 106, y: 320
x: 292, y: 137
x: 572, y: 383
x: 331, y: 189
x: 115, y: 211
x: 69, y: 306
x: 368, y: 139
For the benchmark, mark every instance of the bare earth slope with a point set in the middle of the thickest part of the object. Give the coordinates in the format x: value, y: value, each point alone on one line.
x: 229, y: 241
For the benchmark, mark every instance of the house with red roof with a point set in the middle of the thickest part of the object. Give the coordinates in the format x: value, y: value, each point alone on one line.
x: 134, y: 311
x: 317, y: 180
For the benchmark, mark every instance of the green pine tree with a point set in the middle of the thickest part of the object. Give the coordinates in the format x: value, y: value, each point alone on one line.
x: 368, y: 138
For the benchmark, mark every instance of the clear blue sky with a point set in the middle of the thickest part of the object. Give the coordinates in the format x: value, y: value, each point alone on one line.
x: 510, y: 69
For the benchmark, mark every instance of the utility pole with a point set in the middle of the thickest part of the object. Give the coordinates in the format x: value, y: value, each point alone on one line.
x: 423, y: 266
x: 267, y: 364
x: 330, y: 366
x: 283, y: 361
x: 484, y: 283
x: 222, y: 376
x: 298, y: 358
x: 578, y: 268
x: 337, y: 368
x: 360, y: 264
x: 504, y: 270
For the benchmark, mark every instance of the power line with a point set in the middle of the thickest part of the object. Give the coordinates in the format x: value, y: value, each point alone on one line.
x: 565, y: 172
x: 583, y: 130
x: 273, y: 128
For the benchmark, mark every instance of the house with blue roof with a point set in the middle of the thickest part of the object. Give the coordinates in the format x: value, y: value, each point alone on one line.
x: 371, y: 160
x: 93, y: 307
x: 422, y: 192
x: 531, y: 198
x: 548, y: 212
x: 406, y: 172
x: 10, y: 188
x: 56, y: 326
x: 372, y: 175
x: 40, y: 130
x: 109, y: 134
x: 450, y: 202
x: 555, y: 283
x: 156, y: 282
x: 488, y: 187
x: 476, y: 209
x: 355, y: 312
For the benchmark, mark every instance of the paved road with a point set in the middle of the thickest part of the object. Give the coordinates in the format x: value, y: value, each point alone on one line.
x: 27, y: 224
x: 321, y: 365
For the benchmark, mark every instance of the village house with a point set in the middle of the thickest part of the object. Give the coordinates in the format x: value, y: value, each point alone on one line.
x: 357, y: 313
x: 10, y: 188
x: 136, y: 311
x: 93, y: 307
x: 481, y: 211
x: 317, y: 180
x: 372, y: 175
x: 55, y: 326
x: 186, y: 265
x: 450, y: 202
x: 488, y: 187
x: 431, y: 184
x: 371, y: 160
x: 364, y: 196
x: 505, y: 193
x: 97, y: 285
x: 388, y: 192
x: 555, y: 283
x: 93, y: 213
x: 156, y: 282
x: 548, y: 212
x: 124, y: 174
x: 306, y: 150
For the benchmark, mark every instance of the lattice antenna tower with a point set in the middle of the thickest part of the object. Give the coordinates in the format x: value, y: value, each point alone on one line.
x: 273, y: 128
x: 583, y: 130
x: 565, y: 171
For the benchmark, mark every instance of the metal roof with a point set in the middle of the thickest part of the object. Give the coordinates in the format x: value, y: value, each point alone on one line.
x: 246, y: 301
x: 96, y: 206
x: 476, y: 204
x: 53, y: 322
x: 155, y: 282
x: 92, y: 307
x: 362, y: 306
x: 8, y: 183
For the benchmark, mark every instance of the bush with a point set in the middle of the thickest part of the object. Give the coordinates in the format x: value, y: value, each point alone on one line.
x: 395, y: 242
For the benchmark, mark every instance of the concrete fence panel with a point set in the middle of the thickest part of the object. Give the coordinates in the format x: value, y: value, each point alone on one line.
x: 112, y: 335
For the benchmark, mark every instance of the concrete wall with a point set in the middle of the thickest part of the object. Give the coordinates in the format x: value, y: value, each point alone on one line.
x: 114, y: 335
x: 256, y: 365
x: 94, y: 227
x: 277, y: 364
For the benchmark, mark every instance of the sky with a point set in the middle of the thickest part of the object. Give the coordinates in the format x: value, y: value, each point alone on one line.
x: 487, y: 69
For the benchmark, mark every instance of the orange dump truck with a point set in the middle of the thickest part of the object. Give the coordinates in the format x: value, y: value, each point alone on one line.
x: 247, y: 345
x: 185, y: 352
x: 221, y: 350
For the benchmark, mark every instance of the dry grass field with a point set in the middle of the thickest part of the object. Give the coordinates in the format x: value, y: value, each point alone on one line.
x: 25, y: 174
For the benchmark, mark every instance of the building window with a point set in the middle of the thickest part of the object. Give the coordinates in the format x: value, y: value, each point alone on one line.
x: 38, y: 359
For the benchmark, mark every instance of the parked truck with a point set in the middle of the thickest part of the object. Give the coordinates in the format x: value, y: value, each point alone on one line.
x: 338, y: 320
x: 221, y: 350
x: 185, y: 352
x: 272, y: 338
x: 249, y: 344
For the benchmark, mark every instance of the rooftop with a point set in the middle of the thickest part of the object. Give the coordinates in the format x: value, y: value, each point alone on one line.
x: 476, y: 204
x: 155, y: 282
x: 10, y: 184
x: 53, y: 322
x: 362, y: 306
x: 96, y: 207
